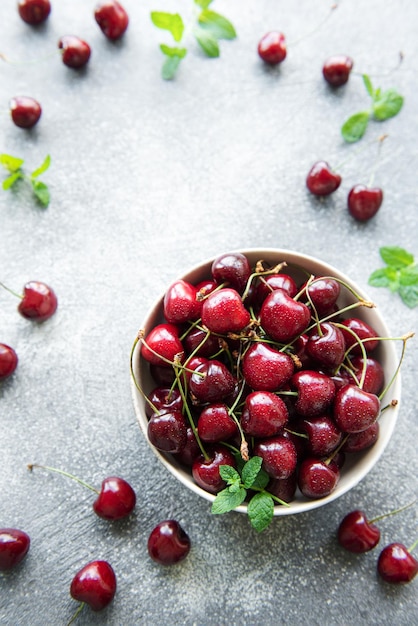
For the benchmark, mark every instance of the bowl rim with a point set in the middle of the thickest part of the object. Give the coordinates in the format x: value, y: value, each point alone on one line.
x: 365, y: 460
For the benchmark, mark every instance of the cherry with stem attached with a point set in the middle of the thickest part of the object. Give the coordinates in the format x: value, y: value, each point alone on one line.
x: 396, y: 564
x: 38, y: 302
x: 115, y: 500
x: 95, y: 585
x: 14, y: 545
x: 365, y: 201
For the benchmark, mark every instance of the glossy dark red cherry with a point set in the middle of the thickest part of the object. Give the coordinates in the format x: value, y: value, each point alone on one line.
x: 326, y: 346
x: 180, y: 303
x: 282, y: 317
x: 168, y: 431
x: 396, y: 564
x: 215, y: 423
x: 211, y: 381
x: 232, y: 268
x: 322, y: 180
x: 75, y: 51
x: 162, y: 345
x: 279, y: 456
x: 14, y: 545
x: 266, y: 369
x: 168, y: 543
x: 95, y: 585
x: 264, y: 414
x: 206, y: 470
x: 316, y: 478
x: 112, y: 19
x: 25, y: 111
x: 116, y: 499
x: 336, y: 70
x: 223, y: 311
x: 316, y: 392
x: 39, y: 301
x: 272, y: 48
x: 364, y: 331
x: 8, y: 361
x: 34, y: 11
x: 355, y: 409
x: 364, y: 202
x: 356, y: 533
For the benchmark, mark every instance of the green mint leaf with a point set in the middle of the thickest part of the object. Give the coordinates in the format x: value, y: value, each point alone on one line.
x: 207, y: 42
x: 11, y: 163
x: 250, y: 471
x: 42, y: 168
x: 409, y: 295
x: 172, y: 22
x: 171, y: 51
x: 229, y: 474
x: 408, y: 275
x: 368, y: 84
x: 10, y: 180
x: 218, y: 25
x: 388, y: 104
x: 260, y: 511
x: 261, y: 480
x: 41, y: 191
x: 355, y: 126
x: 226, y: 500
x: 170, y: 66
x: 384, y: 277
x: 396, y: 257
x: 203, y: 4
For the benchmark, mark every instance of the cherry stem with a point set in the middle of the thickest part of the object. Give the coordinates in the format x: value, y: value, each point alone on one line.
x: 317, y: 27
x: 414, y: 545
x: 58, y: 471
x: 4, y: 58
x: 359, y: 342
x: 18, y: 295
x: 379, y: 517
x: 177, y: 362
x: 385, y: 74
x: 178, y: 372
x: 358, y: 151
x: 141, y: 391
x: 293, y: 432
x: 76, y: 614
x: 278, y: 500
x: 404, y: 339
x: 260, y: 271
x: 373, y: 172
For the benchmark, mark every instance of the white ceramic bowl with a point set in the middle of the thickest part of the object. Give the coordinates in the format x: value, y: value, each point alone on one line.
x: 357, y: 465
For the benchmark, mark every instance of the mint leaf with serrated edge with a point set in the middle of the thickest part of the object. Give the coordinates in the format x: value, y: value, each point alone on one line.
x: 388, y: 104
x: 229, y: 474
x: 355, y: 126
x: 227, y: 500
x: 42, y: 168
x: 250, y: 471
x: 409, y: 295
x: 173, y: 22
x: 408, y: 275
x: 396, y: 257
x: 260, y: 511
x: 219, y: 26
x: 207, y: 42
x: 11, y: 163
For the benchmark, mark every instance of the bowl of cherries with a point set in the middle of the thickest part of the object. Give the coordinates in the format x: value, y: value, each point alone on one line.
x: 266, y: 381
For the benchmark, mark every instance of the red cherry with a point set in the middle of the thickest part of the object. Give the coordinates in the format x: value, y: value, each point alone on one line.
x: 272, y: 48
x: 364, y: 331
x: 355, y: 442
x: 215, y: 423
x: 355, y: 409
x: 162, y: 344
x: 364, y: 202
x: 163, y: 399
x: 25, y: 111
x: 266, y: 369
x: 321, y: 180
x: 326, y: 346
x: 323, y: 435
x: 94, y: 584
x: 279, y: 456
x: 212, y: 381
x: 282, y: 317
x: 223, y: 311
x: 396, y: 564
x: 75, y: 51
x: 116, y: 499
x: 168, y: 543
x: 8, y: 361
x: 14, y: 545
x: 232, y: 268
x: 34, y: 11
x: 168, y: 431
x: 323, y: 293
x: 316, y: 391
x: 112, y: 19
x: 264, y: 414
x: 357, y: 534
x: 336, y: 70
x: 180, y: 303
x: 317, y: 479
x: 269, y: 283
x: 205, y: 471
x: 39, y: 301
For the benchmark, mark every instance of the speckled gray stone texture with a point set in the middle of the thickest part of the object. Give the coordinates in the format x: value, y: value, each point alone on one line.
x: 148, y: 178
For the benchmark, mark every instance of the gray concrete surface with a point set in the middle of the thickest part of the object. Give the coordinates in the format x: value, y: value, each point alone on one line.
x: 147, y: 178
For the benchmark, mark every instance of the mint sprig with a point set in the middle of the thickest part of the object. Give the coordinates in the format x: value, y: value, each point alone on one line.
x: 208, y: 28
x: 399, y: 276
x: 14, y: 167
x: 248, y: 476
x: 384, y: 105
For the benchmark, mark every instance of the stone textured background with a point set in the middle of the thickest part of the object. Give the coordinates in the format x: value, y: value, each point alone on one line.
x: 147, y: 178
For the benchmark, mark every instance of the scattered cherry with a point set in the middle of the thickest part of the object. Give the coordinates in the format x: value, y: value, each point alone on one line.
x: 34, y: 11
x: 14, y: 545
x: 272, y: 48
x: 364, y: 202
x: 115, y: 500
x: 336, y: 70
x: 168, y: 543
x: 25, y: 111
x: 322, y: 180
x: 75, y: 51
x: 8, y: 361
x: 39, y: 301
x: 396, y: 564
x: 95, y: 585
x: 112, y: 19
